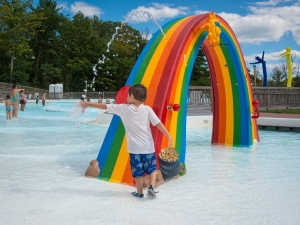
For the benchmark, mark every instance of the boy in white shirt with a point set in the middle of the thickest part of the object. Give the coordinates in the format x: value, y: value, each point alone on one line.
x: 136, y: 118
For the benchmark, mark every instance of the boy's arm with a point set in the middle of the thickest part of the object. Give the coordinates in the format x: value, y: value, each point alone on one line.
x: 163, y: 129
x: 95, y: 105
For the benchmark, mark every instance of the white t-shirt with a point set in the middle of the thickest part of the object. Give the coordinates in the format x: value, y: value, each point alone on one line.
x: 137, y: 126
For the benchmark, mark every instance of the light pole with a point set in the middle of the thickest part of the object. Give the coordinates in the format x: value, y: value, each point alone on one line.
x: 85, y: 88
x: 254, y: 72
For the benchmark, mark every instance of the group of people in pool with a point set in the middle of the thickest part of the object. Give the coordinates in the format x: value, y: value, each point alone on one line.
x: 107, y: 101
x: 13, y: 100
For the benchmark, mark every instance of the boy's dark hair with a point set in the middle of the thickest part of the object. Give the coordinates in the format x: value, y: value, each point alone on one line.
x: 21, y: 91
x: 7, y: 96
x: 139, y: 92
x: 14, y: 86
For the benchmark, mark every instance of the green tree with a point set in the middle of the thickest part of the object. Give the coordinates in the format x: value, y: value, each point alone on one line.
x: 296, y: 81
x: 200, y: 74
x: 119, y: 55
x: 44, y: 41
x: 79, y: 51
x: 17, y: 24
x: 277, y: 78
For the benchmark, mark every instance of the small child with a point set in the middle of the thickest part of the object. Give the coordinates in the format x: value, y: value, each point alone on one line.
x: 8, y: 105
x: 37, y: 99
x: 136, y: 118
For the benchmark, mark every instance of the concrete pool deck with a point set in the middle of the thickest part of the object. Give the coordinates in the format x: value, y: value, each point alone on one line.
x: 269, y: 121
x: 201, y: 116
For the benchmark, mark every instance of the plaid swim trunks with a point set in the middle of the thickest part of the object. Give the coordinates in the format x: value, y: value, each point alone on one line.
x: 142, y: 163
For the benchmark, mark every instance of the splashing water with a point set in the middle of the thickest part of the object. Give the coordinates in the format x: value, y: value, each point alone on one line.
x: 77, y: 115
x: 138, y: 14
x: 145, y: 14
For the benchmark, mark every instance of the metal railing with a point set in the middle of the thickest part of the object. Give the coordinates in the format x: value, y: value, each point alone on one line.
x: 5, y: 88
x: 199, y: 95
x: 268, y: 97
x: 91, y: 95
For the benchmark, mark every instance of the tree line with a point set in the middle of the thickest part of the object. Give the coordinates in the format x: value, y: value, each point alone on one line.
x: 41, y: 46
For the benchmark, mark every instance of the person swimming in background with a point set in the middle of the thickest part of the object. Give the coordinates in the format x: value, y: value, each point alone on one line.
x: 83, y: 99
x: 8, y: 105
x: 15, y: 99
x: 37, y: 99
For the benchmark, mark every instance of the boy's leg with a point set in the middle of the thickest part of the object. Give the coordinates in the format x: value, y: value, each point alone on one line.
x: 6, y: 115
x: 139, y: 185
x: 152, y: 178
x: 137, y: 173
x: 151, y: 170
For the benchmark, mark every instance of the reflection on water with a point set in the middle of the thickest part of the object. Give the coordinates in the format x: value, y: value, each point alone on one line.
x: 44, y: 155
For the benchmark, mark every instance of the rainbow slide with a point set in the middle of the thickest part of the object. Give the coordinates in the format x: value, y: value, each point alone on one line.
x: 165, y: 67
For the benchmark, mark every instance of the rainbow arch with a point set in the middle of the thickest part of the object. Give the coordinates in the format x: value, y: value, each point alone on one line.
x: 165, y: 67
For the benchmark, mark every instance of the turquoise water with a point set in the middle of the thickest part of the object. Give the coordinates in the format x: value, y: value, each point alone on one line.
x: 44, y: 155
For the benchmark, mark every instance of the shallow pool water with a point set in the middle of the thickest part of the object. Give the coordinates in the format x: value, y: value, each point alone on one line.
x: 44, y: 155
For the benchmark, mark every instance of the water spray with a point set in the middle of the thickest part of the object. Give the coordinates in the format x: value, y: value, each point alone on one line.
x: 138, y: 14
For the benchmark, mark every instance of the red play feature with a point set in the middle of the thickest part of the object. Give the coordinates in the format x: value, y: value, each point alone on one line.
x: 122, y: 94
x: 176, y: 107
x: 255, y: 104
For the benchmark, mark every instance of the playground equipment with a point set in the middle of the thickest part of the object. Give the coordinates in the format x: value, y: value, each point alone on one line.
x: 288, y: 56
x: 255, y: 104
x: 165, y: 67
x: 263, y: 63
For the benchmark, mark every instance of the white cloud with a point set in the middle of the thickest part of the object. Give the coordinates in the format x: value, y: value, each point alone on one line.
x: 86, y: 9
x: 254, y: 29
x: 201, y: 12
x: 288, y: 13
x: 265, y: 22
x: 157, y: 10
x: 272, y: 2
x: 63, y: 5
x: 268, y: 3
x: 270, y: 67
x: 296, y: 34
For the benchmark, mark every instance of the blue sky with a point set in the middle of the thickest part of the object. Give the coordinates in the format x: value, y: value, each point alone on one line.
x: 268, y: 26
